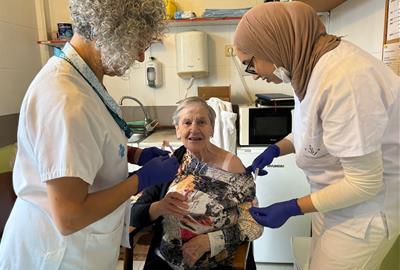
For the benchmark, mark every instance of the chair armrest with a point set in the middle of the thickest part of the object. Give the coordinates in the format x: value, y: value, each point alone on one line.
x: 135, y: 237
x: 240, y: 257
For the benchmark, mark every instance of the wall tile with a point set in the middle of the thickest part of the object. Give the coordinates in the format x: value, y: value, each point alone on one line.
x: 19, y: 50
x: 361, y: 22
x: 18, y: 12
x: 139, y: 89
x: 14, y: 84
x: 168, y: 93
x: 117, y: 86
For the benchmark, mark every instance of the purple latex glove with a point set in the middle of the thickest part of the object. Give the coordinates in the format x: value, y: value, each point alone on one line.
x: 264, y: 159
x: 276, y: 214
x: 150, y: 153
x: 157, y: 171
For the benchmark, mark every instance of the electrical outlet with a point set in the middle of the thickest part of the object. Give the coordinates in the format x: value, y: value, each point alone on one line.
x: 229, y: 51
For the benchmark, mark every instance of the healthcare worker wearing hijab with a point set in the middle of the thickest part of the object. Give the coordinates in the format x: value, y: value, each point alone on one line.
x: 345, y: 133
x: 71, y: 173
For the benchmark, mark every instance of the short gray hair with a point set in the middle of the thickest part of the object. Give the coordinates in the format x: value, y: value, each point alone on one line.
x: 191, y: 101
x: 122, y: 28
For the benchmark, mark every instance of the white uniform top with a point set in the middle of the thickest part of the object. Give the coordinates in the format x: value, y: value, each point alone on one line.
x: 64, y: 130
x: 351, y: 109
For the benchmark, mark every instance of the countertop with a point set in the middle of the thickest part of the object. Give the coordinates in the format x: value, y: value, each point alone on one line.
x: 160, y: 135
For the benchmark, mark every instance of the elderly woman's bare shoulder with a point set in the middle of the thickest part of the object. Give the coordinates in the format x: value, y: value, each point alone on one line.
x: 236, y: 165
x: 232, y: 163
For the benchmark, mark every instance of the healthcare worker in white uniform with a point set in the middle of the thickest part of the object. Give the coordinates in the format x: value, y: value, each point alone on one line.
x: 71, y: 173
x: 345, y: 133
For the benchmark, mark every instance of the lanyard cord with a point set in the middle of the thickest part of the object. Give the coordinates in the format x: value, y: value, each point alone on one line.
x: 121, y: 123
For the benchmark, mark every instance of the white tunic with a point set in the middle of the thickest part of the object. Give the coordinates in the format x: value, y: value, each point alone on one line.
x: 351, y: 109
x: 64, y: 130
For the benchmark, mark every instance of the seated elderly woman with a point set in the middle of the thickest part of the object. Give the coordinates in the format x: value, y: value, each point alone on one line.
x: 201, y: 216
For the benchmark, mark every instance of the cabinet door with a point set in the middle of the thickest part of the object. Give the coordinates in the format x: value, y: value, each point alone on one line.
x: 284, y: 181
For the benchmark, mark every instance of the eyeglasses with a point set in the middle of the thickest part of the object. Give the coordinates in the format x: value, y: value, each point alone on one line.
x: 250, y: 67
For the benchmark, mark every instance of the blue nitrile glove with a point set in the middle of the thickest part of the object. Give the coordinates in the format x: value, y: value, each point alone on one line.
x: 264, y: 159
x: 150, y: 153
x: 157, y: 171
x: 276, y: 214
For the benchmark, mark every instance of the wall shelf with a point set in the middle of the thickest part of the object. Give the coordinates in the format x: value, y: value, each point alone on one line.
x: 203, y: 21
x: 323, y: 6
x: 59, y: 43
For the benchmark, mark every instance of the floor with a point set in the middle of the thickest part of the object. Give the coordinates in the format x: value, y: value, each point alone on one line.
x: 138, y: 265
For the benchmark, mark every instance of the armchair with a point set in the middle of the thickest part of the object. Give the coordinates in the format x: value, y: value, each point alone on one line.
x: 243, y: 257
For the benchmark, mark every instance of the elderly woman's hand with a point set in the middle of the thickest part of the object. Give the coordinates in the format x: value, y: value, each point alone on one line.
x: 193, y: 249
x: 174, y: 204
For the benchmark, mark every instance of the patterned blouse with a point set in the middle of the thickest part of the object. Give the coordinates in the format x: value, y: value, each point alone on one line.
x: 218, y: 203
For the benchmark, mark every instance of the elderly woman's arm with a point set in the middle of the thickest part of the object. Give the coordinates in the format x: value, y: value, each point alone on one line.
x: 140, y: 216
x: 246, y: 228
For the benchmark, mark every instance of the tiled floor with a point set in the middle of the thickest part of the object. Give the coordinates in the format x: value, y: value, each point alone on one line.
x: 260, y: 266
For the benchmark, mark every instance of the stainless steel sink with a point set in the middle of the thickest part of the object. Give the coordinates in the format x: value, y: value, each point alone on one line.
x: 137, y: 137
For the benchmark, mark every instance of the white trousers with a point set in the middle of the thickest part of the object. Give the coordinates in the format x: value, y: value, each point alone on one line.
x: 335, y: 250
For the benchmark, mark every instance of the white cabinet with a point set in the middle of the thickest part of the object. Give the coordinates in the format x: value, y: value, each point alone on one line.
x: 284, y: 181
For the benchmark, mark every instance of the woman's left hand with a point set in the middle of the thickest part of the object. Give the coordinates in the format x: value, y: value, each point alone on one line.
x: 195, y: 248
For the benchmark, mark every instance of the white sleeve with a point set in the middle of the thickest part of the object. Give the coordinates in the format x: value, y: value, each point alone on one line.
x: 354, y: 120
x: 66, y: 138
x: 363, y: 179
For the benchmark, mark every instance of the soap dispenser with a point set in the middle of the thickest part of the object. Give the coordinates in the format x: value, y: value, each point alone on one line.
x: 153, y: 73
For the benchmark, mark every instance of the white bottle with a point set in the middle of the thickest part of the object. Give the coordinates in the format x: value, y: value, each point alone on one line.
x: 153, y: 73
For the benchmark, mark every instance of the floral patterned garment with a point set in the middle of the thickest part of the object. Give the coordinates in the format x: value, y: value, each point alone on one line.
x: 218, y: 203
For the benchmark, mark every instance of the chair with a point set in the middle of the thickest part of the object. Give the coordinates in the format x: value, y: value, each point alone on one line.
x: 144, y: 236
x: 7, y: 195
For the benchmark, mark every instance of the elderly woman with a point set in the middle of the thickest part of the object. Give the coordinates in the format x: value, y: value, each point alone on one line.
x: 71, y: 170
x: 202, y: 215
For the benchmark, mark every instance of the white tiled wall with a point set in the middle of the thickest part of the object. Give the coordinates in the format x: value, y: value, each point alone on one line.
x: 19, y: 53
x: 360, y: 21
x: 222, y: 71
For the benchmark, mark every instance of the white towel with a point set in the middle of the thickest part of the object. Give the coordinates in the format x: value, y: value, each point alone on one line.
x: 225, y: 127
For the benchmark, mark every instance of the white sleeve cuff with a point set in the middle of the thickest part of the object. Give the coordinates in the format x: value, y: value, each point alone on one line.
x: 217, y: 242
x: 289, y: 137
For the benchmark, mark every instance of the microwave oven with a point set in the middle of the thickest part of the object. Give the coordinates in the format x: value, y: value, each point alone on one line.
x: 263, y: 125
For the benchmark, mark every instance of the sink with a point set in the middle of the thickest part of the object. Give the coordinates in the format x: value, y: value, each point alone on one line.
x: 141, y: 130
x: 138, y: 137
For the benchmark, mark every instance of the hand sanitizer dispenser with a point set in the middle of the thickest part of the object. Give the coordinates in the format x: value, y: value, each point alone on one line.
x: 153, y: 73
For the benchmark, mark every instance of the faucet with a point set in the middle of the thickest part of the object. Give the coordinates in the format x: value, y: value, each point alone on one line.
x: 146, y: 117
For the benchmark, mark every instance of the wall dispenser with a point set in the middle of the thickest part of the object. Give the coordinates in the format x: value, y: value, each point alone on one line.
x: 153, y: 73
x: 192, y: 54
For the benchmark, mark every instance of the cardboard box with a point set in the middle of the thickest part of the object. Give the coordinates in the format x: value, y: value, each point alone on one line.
x: 221, y: 92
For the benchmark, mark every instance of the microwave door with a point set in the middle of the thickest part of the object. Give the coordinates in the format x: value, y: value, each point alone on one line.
x: 269, y: 125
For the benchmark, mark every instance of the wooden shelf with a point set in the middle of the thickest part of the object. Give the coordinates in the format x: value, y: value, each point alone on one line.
x: 323, y: 5
x: 53, y: 43
x: 203, y: 21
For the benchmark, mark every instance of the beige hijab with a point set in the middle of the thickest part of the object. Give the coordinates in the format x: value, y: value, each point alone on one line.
x: 290, y: 35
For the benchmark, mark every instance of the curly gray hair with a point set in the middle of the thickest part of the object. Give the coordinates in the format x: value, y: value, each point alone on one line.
x: 193, y: 101
x: 121, y: 28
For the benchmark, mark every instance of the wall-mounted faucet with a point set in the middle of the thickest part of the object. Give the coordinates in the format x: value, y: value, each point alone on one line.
x: 146, y: 116
x: 149, y: 124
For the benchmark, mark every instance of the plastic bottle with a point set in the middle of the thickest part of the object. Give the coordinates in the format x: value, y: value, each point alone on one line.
x: 170, y: 8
